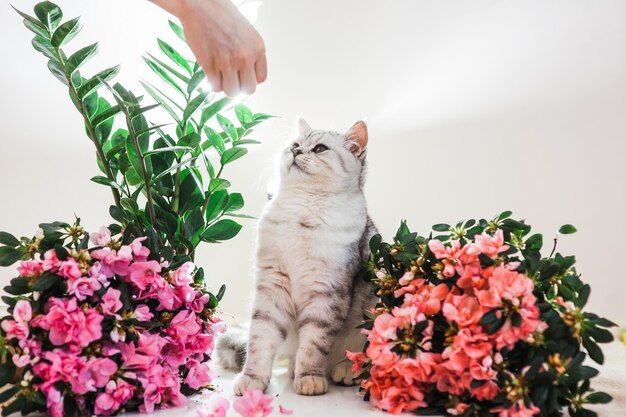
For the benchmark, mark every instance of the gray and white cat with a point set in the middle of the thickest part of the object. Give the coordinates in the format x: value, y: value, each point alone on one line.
x: 312, y: 239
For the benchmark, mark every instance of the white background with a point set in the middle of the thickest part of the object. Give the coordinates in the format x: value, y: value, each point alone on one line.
x: 473, y: 108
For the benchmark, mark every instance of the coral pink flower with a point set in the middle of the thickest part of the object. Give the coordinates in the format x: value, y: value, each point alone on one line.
x: 143, y: 274
x: 490, y: 245
x: 517, y: 410
x: 464, y: 310
x: 254, y: 404
x: 102, y: 237
x: 217, y: 407
x: 448, y: 254
x: 358, y: 359
x: 18, y: 328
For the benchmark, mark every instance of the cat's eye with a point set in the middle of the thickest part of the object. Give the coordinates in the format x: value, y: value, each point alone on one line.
x: 320, y: 148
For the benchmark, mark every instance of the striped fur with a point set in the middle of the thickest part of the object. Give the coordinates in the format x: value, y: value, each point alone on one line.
x: 312, y: 240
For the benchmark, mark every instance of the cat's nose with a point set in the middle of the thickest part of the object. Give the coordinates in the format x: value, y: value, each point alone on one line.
x: 296, y: 152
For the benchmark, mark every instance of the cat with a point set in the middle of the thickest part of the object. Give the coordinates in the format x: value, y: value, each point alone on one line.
x: 312, y: 240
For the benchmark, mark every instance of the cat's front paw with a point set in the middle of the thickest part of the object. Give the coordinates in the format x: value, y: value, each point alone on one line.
x: 310, y: 384
x: 244, y: 383
x: 342, y: 373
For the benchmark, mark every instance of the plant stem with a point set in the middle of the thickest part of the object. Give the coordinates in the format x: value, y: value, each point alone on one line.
x: 208, y: 196
x: 142, y: 163
x: 92, y: 131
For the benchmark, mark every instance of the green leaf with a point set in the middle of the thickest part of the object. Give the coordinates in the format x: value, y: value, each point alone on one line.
x: 232, y: 154
x: 105, y: 115
x: 169, y: 69
x: 594, y: 351
x: 56, y: 70
x: 194, y: 105
x: 244, y: 115
x: 9, y: 255
x: 66, y: 32
x: 7, y: 372
x: 217, y: 203
x: 10, y: 392
x: 130, y: 205
x: 34, y: 25
x: 8, y: 239
x: 42, y: 45
x: 218, y: 184
x: 105, y: 181
x: 583, y: 296
x: 49, y: 14
x: 164, y: 75
x: 228, y: 127
x: 46, y: 282
x: 215, y: 139
x: 160, y: 97
x: 177, y: 30
x: 168, y: 149
x: 599, y: 398
x: 220, y: 293
x: 174, y: 55
x: 191, y: 140
x: 567, y: 229
x: 194, y: 224
x: 222, y: 230
x: 441, y: 227
x: 535, y: 242
x: 195, y: 81
x: 212, y: 109
x: 235, y: 202
x: 97, y: 80
x: 78, y: 58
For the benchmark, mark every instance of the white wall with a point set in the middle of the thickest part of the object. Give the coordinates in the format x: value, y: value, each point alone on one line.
x: 473, y: 107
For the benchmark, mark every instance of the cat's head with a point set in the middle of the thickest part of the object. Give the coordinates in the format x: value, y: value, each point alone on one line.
x: 329, y: 159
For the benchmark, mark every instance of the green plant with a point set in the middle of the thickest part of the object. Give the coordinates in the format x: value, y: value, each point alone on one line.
x: 167, y: 180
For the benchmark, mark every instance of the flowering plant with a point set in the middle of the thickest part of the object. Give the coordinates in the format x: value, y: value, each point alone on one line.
x: 474, y: 322
x: 107, y: 328
x: 127, y: 323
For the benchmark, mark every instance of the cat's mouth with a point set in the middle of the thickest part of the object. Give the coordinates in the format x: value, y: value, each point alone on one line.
x: 300, y: 166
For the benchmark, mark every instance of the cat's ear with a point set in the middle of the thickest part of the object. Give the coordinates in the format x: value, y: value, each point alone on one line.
x: 356, y: 138
x: 303, y: 127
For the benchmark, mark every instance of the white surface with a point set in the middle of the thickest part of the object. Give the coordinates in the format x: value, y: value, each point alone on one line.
x: 345, y: 402
x: 473, y: 108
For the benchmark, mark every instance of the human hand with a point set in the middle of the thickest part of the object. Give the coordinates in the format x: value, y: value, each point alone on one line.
x: 228, y: 48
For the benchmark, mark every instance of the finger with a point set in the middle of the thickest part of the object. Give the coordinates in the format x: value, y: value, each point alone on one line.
x: 214, y: 78
x: 230, y: 83
x: 260, y: 67
x: 247, y: 80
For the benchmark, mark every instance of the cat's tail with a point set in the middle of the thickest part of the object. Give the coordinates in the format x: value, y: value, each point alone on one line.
x: 230, y: 348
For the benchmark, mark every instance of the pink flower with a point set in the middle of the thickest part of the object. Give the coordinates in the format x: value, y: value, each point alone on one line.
x: 142, y: 313
x: 18, y: 328
x: 517, y: 410
x: 217, y: 407
x: 55, y: 403
x: 116, y: 394
x: 254, y: 404
x: 102, y: 237
x: 50, y: 261
x: 199, y: 375
x: 68, y: 323
x: 140, y: 252
x: 70, y: 269
x: 283, y: 410
x: 30, y: 268
x: 358, y: 359
x: 183, y: 325
x: 143, y: 274
x: 83, y: 287
x: 20, y: 360
x: 490, y: 245
x: 182, y: 276
x: 111, y: 303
